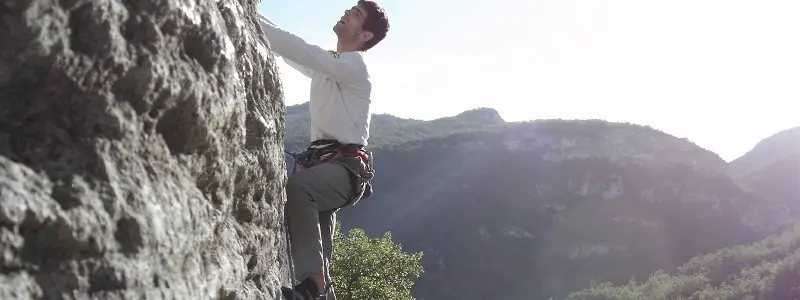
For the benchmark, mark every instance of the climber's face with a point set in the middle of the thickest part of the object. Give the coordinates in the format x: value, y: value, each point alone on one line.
x: 350, y: 27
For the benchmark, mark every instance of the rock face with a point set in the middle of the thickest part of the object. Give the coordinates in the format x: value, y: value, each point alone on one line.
x: 140, y: 151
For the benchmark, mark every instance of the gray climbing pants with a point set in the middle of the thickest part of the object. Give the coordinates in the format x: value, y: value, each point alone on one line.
x: 313, y: 196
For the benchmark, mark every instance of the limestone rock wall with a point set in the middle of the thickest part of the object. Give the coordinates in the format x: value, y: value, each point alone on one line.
x: 140, y: 151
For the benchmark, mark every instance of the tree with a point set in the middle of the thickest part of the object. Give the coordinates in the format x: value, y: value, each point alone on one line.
x: 367, y: 268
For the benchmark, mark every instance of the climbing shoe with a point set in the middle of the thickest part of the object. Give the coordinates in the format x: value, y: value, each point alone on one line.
x: 305, y: 290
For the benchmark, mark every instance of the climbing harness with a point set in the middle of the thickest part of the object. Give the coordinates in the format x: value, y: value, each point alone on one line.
x: 352, y: 156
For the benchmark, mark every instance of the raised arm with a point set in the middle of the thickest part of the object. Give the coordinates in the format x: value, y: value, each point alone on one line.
x: 345, y: 67
x: 264, y: 22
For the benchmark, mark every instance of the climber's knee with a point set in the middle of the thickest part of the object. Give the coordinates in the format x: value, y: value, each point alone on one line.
x: 303, y: 190
x: 293, y: 186
x: 297, y: 194
x: 325, y: 186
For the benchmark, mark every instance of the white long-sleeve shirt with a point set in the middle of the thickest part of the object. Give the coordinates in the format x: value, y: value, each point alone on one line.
x: 340, y: 85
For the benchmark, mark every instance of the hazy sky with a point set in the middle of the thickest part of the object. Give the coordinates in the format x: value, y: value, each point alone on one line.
x: 724, y: 74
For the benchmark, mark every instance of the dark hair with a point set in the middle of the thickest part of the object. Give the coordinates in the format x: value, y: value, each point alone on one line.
x: 376, y: 22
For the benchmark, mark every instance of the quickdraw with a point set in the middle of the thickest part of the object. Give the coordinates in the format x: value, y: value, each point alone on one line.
x: 290, y: 262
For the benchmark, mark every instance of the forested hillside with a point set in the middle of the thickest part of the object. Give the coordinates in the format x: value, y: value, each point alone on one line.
x: 766, y: 270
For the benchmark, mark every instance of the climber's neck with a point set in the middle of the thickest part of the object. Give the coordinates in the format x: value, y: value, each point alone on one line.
x: 347, y: 46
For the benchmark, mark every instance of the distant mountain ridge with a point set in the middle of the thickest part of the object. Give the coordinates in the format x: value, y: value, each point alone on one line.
x: 781, y: 145
x: 543, y: 208
x: 772, y: 168
x: 390, y: 130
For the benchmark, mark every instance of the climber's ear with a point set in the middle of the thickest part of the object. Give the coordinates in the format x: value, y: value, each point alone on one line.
x: 365, y: 36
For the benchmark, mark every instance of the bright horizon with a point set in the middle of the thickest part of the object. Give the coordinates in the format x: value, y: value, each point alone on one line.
x: 724, y: 74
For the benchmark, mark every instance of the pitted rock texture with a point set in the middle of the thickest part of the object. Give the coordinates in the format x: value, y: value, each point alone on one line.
x: 140, y: 151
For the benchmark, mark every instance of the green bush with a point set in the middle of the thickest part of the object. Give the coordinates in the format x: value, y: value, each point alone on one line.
x: 372, y: 268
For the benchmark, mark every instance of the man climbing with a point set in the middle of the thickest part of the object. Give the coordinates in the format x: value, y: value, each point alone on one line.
x: 335, y: 171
